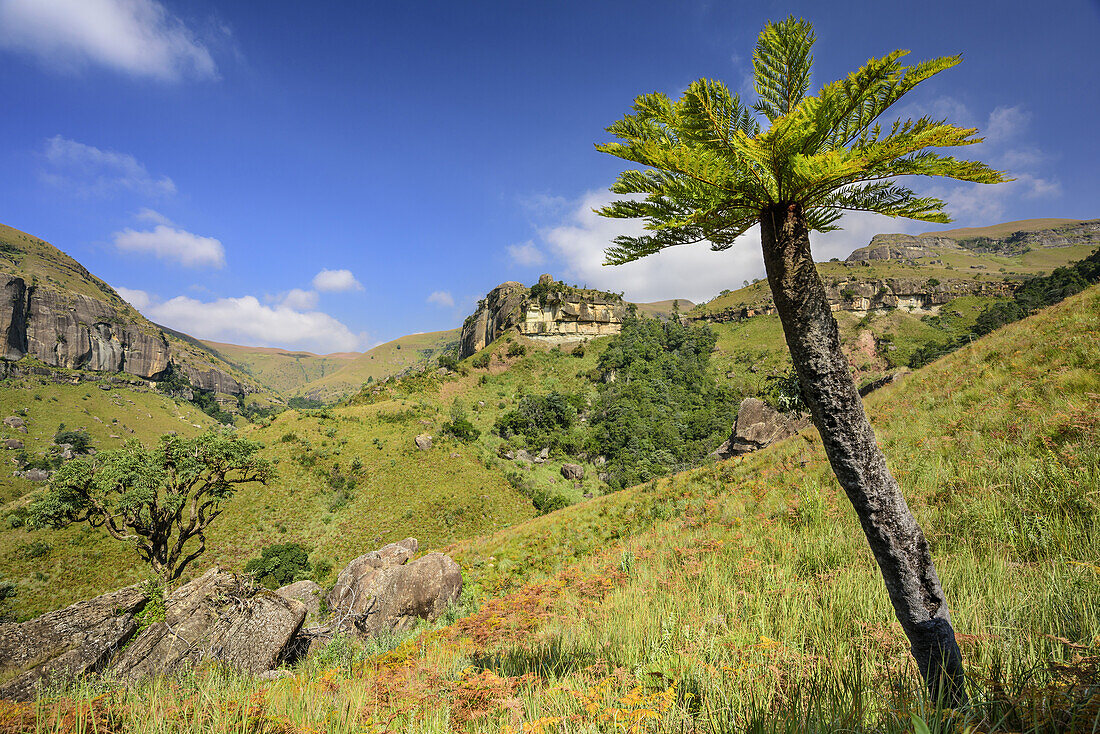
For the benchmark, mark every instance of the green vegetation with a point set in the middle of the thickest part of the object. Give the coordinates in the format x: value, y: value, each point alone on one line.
x: 279, y: 565
x: 1035, y: 293
x: 658, y: 408
x: 545, y: 421
x: 740, y: 595
x: 155, y: 499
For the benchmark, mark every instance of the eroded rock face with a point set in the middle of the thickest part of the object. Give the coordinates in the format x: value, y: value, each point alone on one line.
x: 559, y: 314
x: 218, y: 616
x: 66, y: 643
x: 307, y: 592
x: 902, y: 247
x: 758, y: 425
x: 503, y: 308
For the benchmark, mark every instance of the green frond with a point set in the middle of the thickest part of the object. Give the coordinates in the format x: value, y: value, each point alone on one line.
x: 712, y: 170
x: 781, y: 63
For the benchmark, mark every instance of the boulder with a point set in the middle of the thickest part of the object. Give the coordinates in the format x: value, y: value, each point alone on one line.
x: 572, y: 472
x: 66, y: 643
x: 13, y: 444
x: 423, y: 442
x: 218, y: 616
x: 759, y: 425
x: 357, y: 575
x: 544, y: 453
x: 34, y: 475
x: 16, y: 423
x: 394, y: 598
x: 523, y: 455
x: 307, y: 592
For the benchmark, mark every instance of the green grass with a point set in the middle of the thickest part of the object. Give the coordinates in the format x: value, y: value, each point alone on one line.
x: 741, y: 596
x: 385, y: 360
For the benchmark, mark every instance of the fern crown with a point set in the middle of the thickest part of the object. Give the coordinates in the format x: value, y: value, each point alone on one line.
x: 715, y: 165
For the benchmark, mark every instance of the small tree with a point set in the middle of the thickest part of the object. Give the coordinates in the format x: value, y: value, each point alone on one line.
x: 793, y: 163
x: 156, y: 498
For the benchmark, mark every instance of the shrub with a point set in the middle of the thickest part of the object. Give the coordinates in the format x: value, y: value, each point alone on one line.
x: 578, y: 351
x: 78, y: 439
x: 517, y: 350
x: 481, y: 361
x: 279, y: 565
x: 545, y: 420
x: 462, y: 429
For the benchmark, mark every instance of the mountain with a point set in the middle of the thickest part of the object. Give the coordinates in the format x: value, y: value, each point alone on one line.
x: 281, y: 369
x: 54, y: 312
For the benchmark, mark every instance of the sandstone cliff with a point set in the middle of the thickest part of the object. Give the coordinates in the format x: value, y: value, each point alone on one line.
x: 53, y: 310
x: 549, y: 311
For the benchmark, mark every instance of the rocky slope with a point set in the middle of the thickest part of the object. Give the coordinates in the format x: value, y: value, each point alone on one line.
x: 54, y: 311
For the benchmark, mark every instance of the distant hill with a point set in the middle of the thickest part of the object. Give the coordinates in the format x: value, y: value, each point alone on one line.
x: 392, y: 358
x: 663, y: 309
x: 281, y: 369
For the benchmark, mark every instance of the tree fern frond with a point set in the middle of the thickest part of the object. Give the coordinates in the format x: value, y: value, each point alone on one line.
x: 782, y: 62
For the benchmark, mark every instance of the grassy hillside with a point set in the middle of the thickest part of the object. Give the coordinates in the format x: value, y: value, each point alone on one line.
x: 1002, y: 230
x: 663, y: 309
x: 742, y: 596
x: 280, y: 369
x: 391, y: 358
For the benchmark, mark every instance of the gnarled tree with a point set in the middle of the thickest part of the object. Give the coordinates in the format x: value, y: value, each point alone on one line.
x: 157, y: 498
x: 794, y: 163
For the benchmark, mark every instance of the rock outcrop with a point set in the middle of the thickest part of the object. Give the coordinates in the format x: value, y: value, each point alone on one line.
x: 75, y: 331
x: 903, y: 247
x: 218, y: 616
x: 307, y: 592
x: 758, y: 425
x: 66, y: 643
x: 382, y: 591
x: 550, y: 311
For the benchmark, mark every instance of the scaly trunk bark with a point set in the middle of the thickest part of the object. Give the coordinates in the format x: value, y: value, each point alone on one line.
x: 895, y: 538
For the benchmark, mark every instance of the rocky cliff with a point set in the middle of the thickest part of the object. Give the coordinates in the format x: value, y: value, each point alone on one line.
x: 549, y: 311
x: 53, y: 310
x: 988, y: 241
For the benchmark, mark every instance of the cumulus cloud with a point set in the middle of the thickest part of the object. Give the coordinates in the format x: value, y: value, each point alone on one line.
x: 137, y: 299
x: 526, y: 254
x: 300, y: 300
x: 136, y: 37
x: 442, y: 298
x: 244, y: 320
x: 90, y: 170
x: 336, y: 281
x: 694, y: 272
x: 172, y: 244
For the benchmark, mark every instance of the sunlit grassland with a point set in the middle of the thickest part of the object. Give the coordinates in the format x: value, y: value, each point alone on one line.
x: 741, y: 595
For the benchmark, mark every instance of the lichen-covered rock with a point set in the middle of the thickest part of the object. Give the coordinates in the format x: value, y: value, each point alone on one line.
x: 758, y: 425
x: 66, y: 643
x: 393, y: 599
x: 348, y: 590
x: 13, y: 443
x: 423, y: 442
x: 307, y: 592
x: 218, y: 616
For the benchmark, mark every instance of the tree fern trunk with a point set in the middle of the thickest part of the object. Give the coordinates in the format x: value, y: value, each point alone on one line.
x: 896, y: 540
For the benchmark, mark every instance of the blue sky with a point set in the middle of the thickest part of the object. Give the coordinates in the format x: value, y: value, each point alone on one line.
x: 329, y: 175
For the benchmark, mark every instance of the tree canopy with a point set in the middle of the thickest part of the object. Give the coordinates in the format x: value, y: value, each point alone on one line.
x: 156, y: 498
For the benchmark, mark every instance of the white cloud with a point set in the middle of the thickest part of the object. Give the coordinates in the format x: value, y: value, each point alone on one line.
x: 526, y: 254
x: 90, y: 170
x: 136, y: 37
x: 172, y: 244
x: 1006, y: 123
x: 442, y: 298
x: 149, y: 215
x: 245, y: 320
x: 300, y: 300
x: 336, y: 281
x: 137, y: 299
